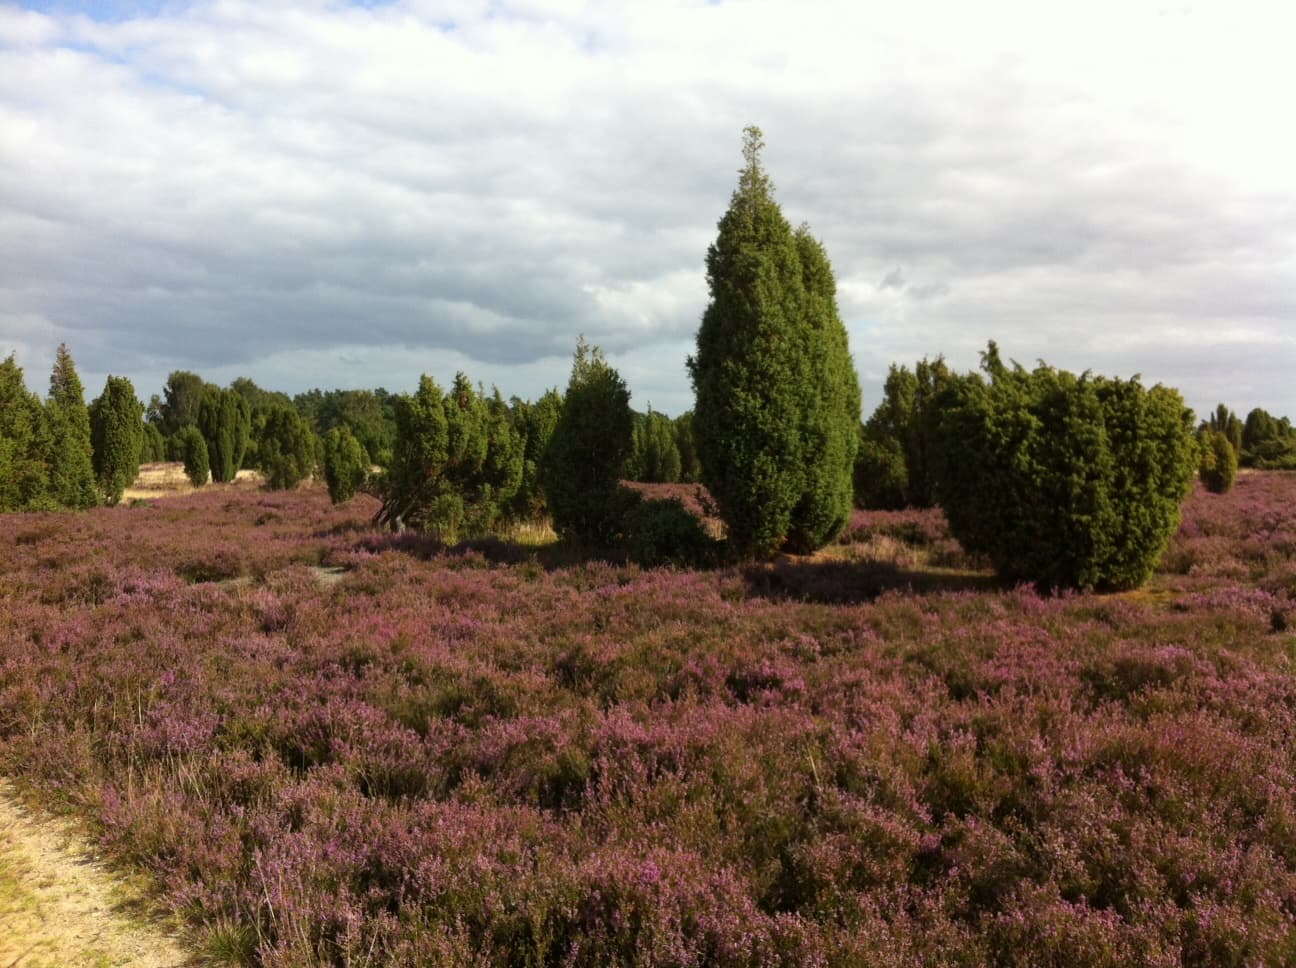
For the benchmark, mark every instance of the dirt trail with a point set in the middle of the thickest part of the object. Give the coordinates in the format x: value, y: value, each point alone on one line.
x: 60, y: 907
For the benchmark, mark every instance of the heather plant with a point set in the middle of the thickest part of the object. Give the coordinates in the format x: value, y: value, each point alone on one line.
x: 116, y: 437
x: 438, y: 759
x: 777, y: 397
x: 345, y: 464
x: 592, y: 440
x: 1219, y: 462
x: 1065, y: 481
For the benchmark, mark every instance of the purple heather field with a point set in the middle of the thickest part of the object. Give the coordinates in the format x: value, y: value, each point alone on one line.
x: 502, y: 754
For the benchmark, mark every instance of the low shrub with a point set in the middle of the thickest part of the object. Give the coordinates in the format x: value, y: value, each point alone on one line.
x: 662, y: 532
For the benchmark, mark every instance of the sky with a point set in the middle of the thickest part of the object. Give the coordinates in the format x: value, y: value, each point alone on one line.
x: 314, y: 193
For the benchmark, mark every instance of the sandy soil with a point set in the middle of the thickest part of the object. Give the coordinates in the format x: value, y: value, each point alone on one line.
x: 169, y: 480
x: 60, y: 907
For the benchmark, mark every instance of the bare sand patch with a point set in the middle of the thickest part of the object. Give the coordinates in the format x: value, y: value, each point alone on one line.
x: 60, y: 906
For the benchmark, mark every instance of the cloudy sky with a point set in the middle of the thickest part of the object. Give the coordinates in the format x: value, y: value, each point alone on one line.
x: 321, y: 193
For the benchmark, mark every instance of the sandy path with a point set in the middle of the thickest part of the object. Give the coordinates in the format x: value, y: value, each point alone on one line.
x: 60, y: 907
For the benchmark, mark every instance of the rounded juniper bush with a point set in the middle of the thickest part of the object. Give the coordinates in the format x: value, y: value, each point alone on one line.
x: 1064, y: 481
x: 778, y: 402
x: 1219, y: 462
x: 591, y: 442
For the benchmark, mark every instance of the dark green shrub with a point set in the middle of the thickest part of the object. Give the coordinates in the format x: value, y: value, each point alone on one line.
x: 457, y: 461
x: 345, y: 464
x: 182, y: 398
x: 286, y: 450
x: 1065, y: 481
x: 67, y: 433
x: 881, y: 478
x: 23, y: 481
x: 226, y: 422
x: 193, y: 451
x: 534, y: 423
x: 894, y: 469
x: 1219, y: 462
x: 587, y: 453
x: 117, y: 437
x: 153, y: 447
x: 777, y: 409
x: 663, y: 532
x: 655, y: 456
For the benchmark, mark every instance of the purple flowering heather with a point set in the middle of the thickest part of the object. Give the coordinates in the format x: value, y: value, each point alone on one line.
x: 487, y: 754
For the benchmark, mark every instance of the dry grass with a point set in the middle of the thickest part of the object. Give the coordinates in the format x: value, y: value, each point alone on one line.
x: 168, y: 479
x: 59, y: 907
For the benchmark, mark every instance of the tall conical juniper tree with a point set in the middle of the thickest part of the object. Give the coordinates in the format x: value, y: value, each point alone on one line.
x: 777, y: 412
x: 117, y: 437
x: 71, y: 473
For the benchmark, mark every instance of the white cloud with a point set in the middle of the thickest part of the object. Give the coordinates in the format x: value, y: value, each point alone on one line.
x: 238, y: 187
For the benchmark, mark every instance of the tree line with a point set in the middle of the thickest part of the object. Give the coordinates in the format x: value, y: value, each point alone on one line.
x: 1064, y: 480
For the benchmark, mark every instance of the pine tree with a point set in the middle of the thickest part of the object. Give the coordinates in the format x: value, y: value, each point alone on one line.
x: 71, y: 472
x: 777, y: 412
x: 117, y: 437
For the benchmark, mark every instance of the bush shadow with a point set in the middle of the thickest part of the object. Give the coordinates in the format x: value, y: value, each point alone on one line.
x: 854, y: 582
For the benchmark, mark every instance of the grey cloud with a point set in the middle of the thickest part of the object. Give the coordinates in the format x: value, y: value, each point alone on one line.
x: 232, y: 184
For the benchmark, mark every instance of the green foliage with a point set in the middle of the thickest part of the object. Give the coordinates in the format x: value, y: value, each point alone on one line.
x: 1065, y: 481
x: 225, y: 420
x: 1226, y: 422
x: 901, y: 426
x: 287, y: 449
x: 23, y: 480
x: 457, y: 461
x: 1268, y: 442
x: 193, y: 451
x: 587, y: 453
x: 345, y: 464
x: 71, y: 471
x: 117, y: 437
x: 153, y: 445
x: 534, y: 424
x: 368, y: 414
x: 777, y: 397
x: 1219, y: 463
x: 182, y: 399
x: 881, y: 477
x: 663, y: 532
x: 655, y: 455
x: 686, y: 444
x: 260, y: 404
